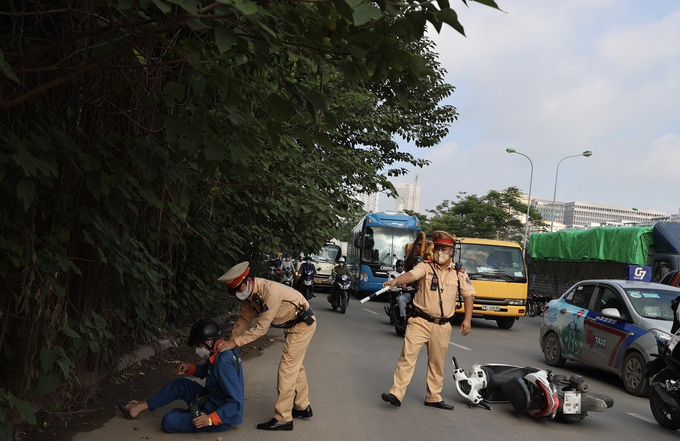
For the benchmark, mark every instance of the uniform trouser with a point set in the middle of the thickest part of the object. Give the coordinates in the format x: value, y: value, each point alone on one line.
x: 420, y: 332
x: 292, y: 381
x: 180, y: 389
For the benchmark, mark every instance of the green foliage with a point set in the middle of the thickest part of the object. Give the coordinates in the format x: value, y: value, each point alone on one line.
x: 495, y: 215
x: 146, y: 146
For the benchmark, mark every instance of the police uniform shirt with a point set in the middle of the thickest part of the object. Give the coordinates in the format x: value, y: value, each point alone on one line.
x: 274, y: 309
x: 427, y: 300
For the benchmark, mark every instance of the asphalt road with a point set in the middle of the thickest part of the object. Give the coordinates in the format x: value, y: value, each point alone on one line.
x: 351, y: 362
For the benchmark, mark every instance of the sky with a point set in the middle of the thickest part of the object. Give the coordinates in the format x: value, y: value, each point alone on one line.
x: 552, y: 79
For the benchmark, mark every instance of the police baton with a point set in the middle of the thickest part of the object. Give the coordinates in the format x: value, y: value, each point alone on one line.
x: 374, y: 295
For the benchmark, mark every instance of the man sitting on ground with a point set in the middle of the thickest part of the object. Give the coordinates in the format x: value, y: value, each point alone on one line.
x: 213, y: 408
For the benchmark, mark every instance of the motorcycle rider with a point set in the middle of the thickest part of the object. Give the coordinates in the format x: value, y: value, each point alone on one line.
x: 306, y: 266
x: 287, y: 264
x: 339, y: 270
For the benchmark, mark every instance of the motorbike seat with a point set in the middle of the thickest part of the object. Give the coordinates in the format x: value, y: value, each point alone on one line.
x: 518, y: 393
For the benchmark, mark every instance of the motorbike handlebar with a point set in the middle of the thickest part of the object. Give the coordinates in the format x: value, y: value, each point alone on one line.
x: 374, y: 295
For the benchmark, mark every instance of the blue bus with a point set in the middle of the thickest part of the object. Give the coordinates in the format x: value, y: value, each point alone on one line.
x: 378, y: 240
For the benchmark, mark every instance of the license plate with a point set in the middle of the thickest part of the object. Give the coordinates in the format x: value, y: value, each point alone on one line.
x: 490, y: 308
x: 572, y: 403
x: 317, y: 280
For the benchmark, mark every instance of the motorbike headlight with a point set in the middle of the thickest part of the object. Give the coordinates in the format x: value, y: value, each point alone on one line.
x: 661, y: 335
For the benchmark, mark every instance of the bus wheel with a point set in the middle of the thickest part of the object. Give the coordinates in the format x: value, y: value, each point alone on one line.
x: 505, y: 322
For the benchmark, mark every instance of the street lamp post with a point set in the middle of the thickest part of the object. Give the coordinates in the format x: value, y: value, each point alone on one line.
x: 587, y: 154
x: 531, y: 179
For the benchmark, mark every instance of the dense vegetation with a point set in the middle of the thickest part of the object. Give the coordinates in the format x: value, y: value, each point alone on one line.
x: 147, y: 145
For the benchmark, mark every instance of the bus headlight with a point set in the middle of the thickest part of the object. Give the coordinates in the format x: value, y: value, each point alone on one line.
x: 363, y: 276
x: 516, y: 302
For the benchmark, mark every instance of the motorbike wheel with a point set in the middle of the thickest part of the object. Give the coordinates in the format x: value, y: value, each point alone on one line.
x: 662, y: 417
x: 343, y: 303
x: 399, y: 324
x: 552, y: 351
x: 531, y: 309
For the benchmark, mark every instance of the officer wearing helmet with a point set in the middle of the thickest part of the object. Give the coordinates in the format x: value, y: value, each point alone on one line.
x: 214, y: 407
x: 279, y: 306
x: 434, y: 304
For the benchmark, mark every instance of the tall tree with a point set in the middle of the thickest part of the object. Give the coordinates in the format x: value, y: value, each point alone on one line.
x: 495, y: 215
x: 145, y: 145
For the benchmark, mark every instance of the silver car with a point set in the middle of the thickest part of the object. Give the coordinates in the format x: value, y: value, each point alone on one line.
x: 609, y: 324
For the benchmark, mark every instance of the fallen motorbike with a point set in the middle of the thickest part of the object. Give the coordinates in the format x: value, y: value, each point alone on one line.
x: 307, y: 284
x: 664, y: 397
x: 339, y: 296
x: 529, y: 389
x: 287, y: 276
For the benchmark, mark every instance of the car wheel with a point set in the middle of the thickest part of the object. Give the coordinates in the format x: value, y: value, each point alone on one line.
x: 505, y: 322
x: 634, y: 380
x: 552, y: 351
x: 662, y: 417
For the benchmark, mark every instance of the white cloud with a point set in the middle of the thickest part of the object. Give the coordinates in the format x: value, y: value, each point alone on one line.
x: 552, y: 79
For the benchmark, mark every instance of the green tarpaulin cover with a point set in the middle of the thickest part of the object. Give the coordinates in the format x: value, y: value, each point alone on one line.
x: 604, y: 244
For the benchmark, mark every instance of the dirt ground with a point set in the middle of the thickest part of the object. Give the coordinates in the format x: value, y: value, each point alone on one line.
x: 137, y: 382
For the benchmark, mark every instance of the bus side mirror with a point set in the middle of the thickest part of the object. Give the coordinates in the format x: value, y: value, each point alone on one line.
x: 357, y: 242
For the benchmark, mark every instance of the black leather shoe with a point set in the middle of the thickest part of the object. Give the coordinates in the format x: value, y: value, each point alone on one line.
x: 275, y: 424
x: 440, y: 405
x: 306, y: 413
x: 394, y: 401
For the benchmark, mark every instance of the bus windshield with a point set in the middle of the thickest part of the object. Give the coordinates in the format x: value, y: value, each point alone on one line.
x: 385, y: 245
x: 492, y: 259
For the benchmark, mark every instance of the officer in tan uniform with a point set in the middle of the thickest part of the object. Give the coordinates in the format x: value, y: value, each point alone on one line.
x: 434, y: 306
x: 279, y: 306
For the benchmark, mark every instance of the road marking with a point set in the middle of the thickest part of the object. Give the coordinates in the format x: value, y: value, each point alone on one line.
x: 459, y: 346
x: 372, y: 312
x: 643, y: 418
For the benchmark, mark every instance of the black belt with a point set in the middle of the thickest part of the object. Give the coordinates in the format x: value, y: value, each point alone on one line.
x: 436, y: 320
x: 295, y: 321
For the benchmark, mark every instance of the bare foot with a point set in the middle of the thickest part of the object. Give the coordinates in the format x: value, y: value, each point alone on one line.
x: 135, y: 409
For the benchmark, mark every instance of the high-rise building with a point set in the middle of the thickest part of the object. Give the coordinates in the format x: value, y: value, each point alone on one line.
x: 370, y: 201
x: 588, y: 214
x: 580, y: 215
x: 408, y: 197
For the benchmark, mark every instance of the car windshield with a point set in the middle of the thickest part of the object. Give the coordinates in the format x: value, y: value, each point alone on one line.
x: 654, y: 303
x: 492, y: 260
x: 328, y: 253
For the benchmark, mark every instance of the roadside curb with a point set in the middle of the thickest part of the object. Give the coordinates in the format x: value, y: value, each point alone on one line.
x: 156, y: 347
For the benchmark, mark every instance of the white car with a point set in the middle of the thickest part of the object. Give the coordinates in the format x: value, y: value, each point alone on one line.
x: 609, y: 324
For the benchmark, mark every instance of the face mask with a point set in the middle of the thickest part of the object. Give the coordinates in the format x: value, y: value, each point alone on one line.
x: 202, y: 352
x: 309, y: 261
x: 242, y: 295
x: 441, y: 258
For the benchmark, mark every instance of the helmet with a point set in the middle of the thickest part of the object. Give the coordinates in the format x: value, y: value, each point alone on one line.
x: 400, y: 262
x: 417, y: 260
x: 341, y: 260
x: 203, y: 331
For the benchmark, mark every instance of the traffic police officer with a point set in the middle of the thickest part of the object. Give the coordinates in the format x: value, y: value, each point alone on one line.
x: 279, y: 306
x: 434, y: 307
